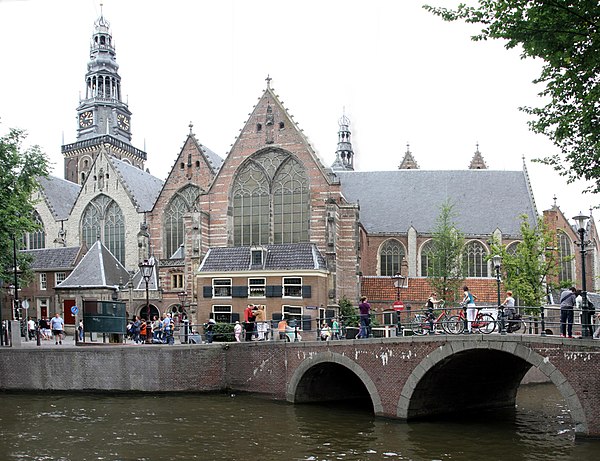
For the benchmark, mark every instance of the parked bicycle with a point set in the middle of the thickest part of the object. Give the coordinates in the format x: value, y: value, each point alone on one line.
x: 427, y: 322
x: 483, y: 323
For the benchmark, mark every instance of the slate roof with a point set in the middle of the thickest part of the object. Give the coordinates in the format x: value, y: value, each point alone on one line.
x: 144, y: 187
x: 60, y: 195
x: 53, y: 259
x: 297, y: 256
x: 140, y: 284
x: 97, y: 269
x: 484, y: 200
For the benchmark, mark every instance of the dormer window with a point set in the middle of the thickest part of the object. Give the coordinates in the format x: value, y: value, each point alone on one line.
x: 257, y: 256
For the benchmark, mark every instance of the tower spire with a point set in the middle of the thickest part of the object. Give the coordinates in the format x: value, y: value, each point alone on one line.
x: 408, y: 162
x: 477, y: 162
x: 344, y: 155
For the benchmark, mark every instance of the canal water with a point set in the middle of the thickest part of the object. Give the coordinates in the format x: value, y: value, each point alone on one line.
x: 70, y: 427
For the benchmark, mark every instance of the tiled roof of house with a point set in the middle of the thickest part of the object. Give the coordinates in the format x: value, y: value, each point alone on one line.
x: 49, y: 259
x: 297, y: 256
x: 97, y: 269
x: 484, y: 200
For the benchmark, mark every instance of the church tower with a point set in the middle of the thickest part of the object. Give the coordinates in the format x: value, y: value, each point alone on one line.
x: 344, y: 155
x: 103, y: 119
x: 477, y: 162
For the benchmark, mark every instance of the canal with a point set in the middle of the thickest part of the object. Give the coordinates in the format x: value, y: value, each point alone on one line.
x: 70, y: 427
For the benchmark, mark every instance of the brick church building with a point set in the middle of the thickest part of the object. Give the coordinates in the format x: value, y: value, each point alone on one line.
x: 269, y: 224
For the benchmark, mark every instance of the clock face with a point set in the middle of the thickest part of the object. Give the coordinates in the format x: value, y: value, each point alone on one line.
x: 123, y: 122
x: 86, y: 119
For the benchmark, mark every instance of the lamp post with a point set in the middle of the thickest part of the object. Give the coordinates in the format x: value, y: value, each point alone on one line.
x: 146, y: 269
x: 581, y: 220
x: 186, y: 323
x: 497, y: 261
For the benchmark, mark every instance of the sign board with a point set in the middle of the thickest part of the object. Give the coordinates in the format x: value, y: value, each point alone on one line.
x: 398, y: 305
x: 74, y: 310
x: 25, y: 304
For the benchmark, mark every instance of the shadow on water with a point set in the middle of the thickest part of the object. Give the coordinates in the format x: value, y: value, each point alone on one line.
x: 240, y: 427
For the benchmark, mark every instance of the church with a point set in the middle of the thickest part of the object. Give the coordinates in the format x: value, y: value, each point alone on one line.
x: 269, y: 224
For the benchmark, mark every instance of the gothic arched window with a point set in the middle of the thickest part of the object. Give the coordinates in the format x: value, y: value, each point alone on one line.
x: 511, y: 249
x: 474, y: 263
x: 565, y: 255
x: 391, y: 255
x: 427, y: 259
x: 37, y: 239
x: 103, y: 219
x: 184, y: 201
x: 270, y: 200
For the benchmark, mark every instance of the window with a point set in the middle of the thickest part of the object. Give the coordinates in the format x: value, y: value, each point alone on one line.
x: 292, y: 287
x: 474, y: 263
x: 184, y: 201
x: 43, y: 281
x: 256, y: 288
x: 427, y: 258
x: 270, y: 200
x: 103, y: 219
x: 222, y: 314
x: 177, y: 280
x: 565, y: 255
x: 257, y: 257
x: 37, y: 239
x: 391, y: 255
x: 293, y: 313
x: 59, y: 277
x: 512, y: 248
x: 221, y: 288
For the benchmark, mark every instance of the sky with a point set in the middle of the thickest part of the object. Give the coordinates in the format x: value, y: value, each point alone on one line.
x: 401, y: 75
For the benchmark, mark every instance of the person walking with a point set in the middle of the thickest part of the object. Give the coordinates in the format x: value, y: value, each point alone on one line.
x: 364, y: 308
x: 249, y: 322
x: 57, y: 325
x: 31, y: 328
x: 469, y: 302
x: 209, y: 330
x: 80, y: 331
x: 237, y: 330
x: 568, y: 299
x: 335, y: 328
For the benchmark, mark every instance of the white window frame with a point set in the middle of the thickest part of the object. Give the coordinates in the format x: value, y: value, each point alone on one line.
x: 59, y: 277
x: 257, y: 290
x: 285, y: 283
x: 43, y: 281
x: 293, y: 312
x: 217, y: 284
x: 221, y: 309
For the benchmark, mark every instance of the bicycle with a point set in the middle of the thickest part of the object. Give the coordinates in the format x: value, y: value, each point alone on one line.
x: 483, y: 323
x: 424, y: 323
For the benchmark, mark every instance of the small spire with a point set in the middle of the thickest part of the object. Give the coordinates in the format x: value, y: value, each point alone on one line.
x: 268, y: 80
x: 554, y: 199
x: 408, y: 162
x: 191, y: 125
x: 477, y: 162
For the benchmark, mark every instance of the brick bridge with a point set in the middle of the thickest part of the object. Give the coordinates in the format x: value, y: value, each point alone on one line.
x: 404, y: 378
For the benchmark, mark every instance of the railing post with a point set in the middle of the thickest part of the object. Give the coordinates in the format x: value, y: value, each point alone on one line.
x: 466, y: 322
x: 543, y: 332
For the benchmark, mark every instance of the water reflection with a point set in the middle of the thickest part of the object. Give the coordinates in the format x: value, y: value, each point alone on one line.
x: 225, y: 427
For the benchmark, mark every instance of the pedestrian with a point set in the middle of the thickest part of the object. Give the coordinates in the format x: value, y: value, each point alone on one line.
x: 509, y: 311
x: 168, y: 329
x: 261, y: 326
x: 80, y: 330
x: 325, y: 332
x: 469, y: 302
x: 365, y: 321
x: 282, y: 328
x: 142, y: 331
x: 44, y: 328
x: 157, y: 330
x: 237, y: 330
x: 335, y: 328
x: 432, y: 303
x: 31, y: 328
x: 209, y: 330
x: 597, y: 332
x: 249, y: 322
x: 135, y: 329
x: 568, y: 299
x: 57, y: 325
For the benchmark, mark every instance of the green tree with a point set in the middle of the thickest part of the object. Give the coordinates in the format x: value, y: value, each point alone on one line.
x: 526, y: 270
x: 565, y: 35
x: 444, y: 269
x: 348, y: 313
x: 19, y: 170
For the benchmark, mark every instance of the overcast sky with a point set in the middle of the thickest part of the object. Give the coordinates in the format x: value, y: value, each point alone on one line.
x: 401, y: 74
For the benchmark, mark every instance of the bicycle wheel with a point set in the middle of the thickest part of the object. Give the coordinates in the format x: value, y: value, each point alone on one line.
x: 417, y: 327
x: 485, y: 324
x: 455, y: 325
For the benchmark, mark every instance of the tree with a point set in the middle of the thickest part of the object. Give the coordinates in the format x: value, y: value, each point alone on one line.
x: 19, y: 170
x: 444, y: 268
x: 566, y: 36
x: 526, y: 270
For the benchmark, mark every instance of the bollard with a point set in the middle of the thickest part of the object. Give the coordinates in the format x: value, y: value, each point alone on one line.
x: 186, y: 330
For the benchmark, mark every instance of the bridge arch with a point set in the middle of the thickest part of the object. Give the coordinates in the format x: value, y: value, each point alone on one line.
x: 465, y: 375
x: 301, y: 385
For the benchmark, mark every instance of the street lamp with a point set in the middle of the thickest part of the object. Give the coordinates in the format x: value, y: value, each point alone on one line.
x: 497, y: 261
x: 581, y: 221
x: 146, y: 269
x: 398, y: 283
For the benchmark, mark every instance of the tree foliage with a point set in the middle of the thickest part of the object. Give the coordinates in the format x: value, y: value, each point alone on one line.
x: 19, y: 170
x: 444, y: 271
x: 526, y: 270
x: 565, y: 34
